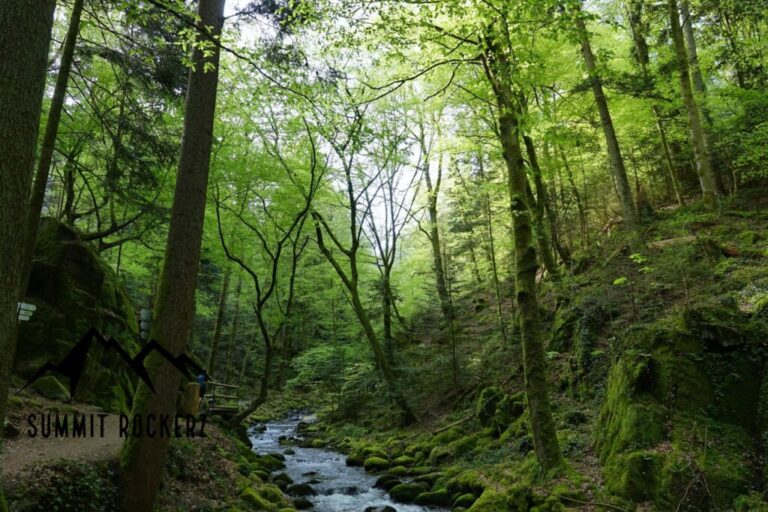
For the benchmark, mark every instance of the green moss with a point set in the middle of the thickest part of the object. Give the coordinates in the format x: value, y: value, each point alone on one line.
x: 630, y: 417
x: 460, y: 447
x: 439, y: 498
x: 448, y: 436
x: 491, y: 501
x: 253, y: 499
x: 470, y: 481
x: 50, y: 387
x: 752, y: 502
x: 271, y: 492
x: 464, y: 500
x: 407, y: 492
x: 404, y: 460
x: 398, y: 471
x: 550, y: 504
x: 485, y: 408
x: 268, y: 463
x: 375, y: 464
x: 635, y: 475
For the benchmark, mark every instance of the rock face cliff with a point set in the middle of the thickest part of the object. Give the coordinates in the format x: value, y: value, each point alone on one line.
x: 74, y: 290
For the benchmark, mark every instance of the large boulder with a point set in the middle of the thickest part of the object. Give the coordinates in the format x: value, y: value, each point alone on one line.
x: 684, y: 404
x: 75, y: 290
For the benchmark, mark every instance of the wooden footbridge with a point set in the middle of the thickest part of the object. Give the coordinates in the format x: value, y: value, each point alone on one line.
x: 221, y: 399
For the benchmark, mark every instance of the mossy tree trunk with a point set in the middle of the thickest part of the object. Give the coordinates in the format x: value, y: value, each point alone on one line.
x: 695, y: 128
x: 499, y: 71
x: 543, y: 238
x: 433, y: 191
x: 217, y: 328
x: 143, y: 458
x: 25, y: 35
x: 611, y: 140
x: 639, y: 30
x: 49, y: 140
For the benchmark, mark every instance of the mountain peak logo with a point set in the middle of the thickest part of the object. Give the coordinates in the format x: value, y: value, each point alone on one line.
x: 73, y: 364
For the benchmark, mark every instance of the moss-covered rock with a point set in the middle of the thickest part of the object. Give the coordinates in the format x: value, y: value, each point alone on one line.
x: 485, y: 408
x: 438, y: 498
x: 635, y: 475
x: 387, y: 482
x: 75, y: 290
x: 446, y: 453
x: 50, y: 387
x: 272, y: 493
x: 681, y: 385
x: 466, y: 482
x: 492, y: 501
x: 465, y: 500
x: 375, y: 464
x: 404, y: 460
x: 630, y: 418
x: 251, y: 497
x: 398, y: 471
x: 407, y: 492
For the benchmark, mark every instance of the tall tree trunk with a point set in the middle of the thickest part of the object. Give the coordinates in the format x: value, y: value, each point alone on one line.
x: 614, y: 151
x: 144, y: 457
x: 693, y: 53
x: 25, y: 35
x: 233, y: 333
x: 696, y: 133
x: 498, y: 71
x: 643, y: 59
x: 434, y: 238
x: 219, y: 325
x: 542, y: 237
x: 669, y: 158
x: 49, y: 140
x: 576, y: 196
x: 552, y: 212
x: 386, y: 306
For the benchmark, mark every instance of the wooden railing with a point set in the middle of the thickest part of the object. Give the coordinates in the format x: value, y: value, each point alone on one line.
x: 219, y: 400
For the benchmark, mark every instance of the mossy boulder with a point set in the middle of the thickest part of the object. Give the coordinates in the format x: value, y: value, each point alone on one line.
x: 268, y: 463
x: 398, y: 471
x: 387, y: 482
x: 485, y: 408
x: 75, y: 290
x: 466, y: 482
x: 465, y: 500
x: 492, y: 501
x: 683, y: 382
x: 272, y: 493
x: 375, y: 464
x: 50, y: 387
x: 438, y: 498
x: 282, y: 480
x: 360, y: 452
x: 252, y: 498
x: 301, y: 490
x: 404, y: 460
x: 451, y: 451
x: 407, y: 492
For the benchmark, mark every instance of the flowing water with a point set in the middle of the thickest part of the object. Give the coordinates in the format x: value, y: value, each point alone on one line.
x: 340, y: 488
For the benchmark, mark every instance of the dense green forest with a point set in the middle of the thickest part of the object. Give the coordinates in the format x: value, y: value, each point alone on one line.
x: 490, y: 255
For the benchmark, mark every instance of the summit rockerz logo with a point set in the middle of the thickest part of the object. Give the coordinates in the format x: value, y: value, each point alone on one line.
x: 72, y: 366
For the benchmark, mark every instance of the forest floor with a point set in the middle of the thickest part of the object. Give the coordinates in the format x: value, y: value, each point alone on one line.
x: 201, y: 472
x: 24, y: 450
